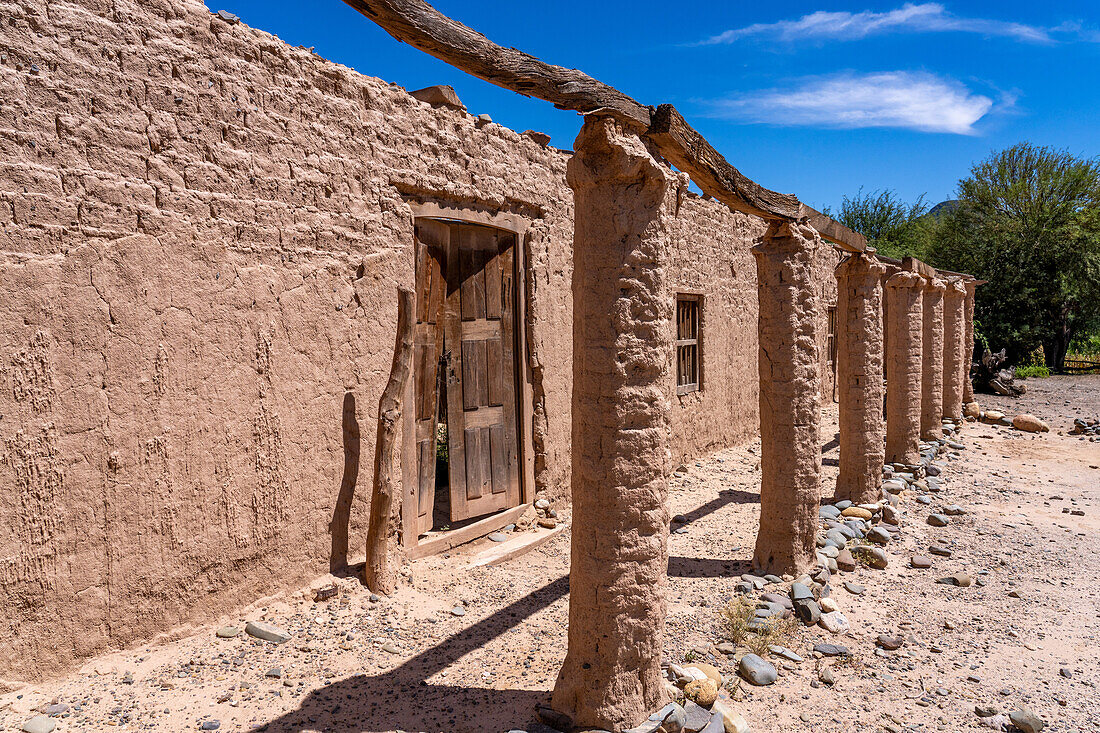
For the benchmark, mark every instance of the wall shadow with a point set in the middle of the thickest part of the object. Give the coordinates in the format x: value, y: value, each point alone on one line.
x: 341, y: 515
x: 725, y: 496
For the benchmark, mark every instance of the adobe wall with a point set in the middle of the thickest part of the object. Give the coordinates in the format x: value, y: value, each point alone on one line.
x: 201, y: 234
x: 202, y: 230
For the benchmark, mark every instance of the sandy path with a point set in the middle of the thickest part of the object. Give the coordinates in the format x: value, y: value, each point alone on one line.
x: 410, y: 663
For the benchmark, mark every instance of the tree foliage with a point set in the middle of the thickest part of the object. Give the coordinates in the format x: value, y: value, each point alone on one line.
x: 893, y: 227
x: 1028, y: 221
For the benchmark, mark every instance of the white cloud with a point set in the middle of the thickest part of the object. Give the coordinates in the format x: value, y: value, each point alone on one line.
x: 911, y: 18
x: 897, y: 99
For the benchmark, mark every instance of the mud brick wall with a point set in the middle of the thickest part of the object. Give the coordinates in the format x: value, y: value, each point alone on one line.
x: 201, y: 234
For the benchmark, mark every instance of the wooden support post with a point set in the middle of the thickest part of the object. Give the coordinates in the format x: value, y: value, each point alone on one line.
x: 378, y: 575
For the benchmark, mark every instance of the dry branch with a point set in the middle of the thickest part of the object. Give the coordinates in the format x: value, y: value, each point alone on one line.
x: 377, y: 573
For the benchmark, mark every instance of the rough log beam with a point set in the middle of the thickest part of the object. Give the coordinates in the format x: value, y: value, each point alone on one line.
x: 423, y: 27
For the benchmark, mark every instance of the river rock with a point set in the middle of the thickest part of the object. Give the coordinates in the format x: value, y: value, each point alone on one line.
x: 1026, y: 721
x: 834, y: 622
x: 1030, y: 424
x: 879, y: 536
x: 856, y: 512
x: 920, y: 561
x: 756, y: 670
x: 267, y: 632
x: 39, y: 724
x: 938, y: 520
x: 890, y: 642
x: 831, y: 650
x: 732, y: 721
x: 701, y: 692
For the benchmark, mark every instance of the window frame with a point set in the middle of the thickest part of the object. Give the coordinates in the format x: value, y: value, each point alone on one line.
x: 697, y: 342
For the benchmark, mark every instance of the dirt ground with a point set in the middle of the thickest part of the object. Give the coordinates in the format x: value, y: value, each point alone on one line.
x: 461, y: 649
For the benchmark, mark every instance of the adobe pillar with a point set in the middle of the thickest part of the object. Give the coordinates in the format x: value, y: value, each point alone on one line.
x: 622, y: 387
x: 859, y: 378
x: 968, y: 342
x: 954, y: 333
x: 931, y: 405
x: 905, y: 325
x: 790, y: 384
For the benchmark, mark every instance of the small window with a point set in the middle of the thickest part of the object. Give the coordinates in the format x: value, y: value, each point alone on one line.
x: 687, y: 344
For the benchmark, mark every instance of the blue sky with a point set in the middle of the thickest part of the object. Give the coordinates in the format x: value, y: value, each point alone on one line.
x: 812, y: 98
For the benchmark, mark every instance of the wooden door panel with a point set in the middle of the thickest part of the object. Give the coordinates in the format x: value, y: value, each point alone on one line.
x: 478, y: 318
x: 431, y: 244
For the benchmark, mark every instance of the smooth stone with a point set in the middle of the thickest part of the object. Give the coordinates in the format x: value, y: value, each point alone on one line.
x: 986, y: 711
x: 728, y: 719
x: 828, y: 605
x: 954, y: 510
x: 961, y: 580
x: 210, y: 725
x: 807, y: 611
x: 458, y: 611
x: 890, y: 642
x: 800, y: 591
x: 843, y: 504
x: 696, y: 716
x: 938, y: 520
x: 827, y: 677
x: 854, y: 588
x: 544, y: 504
x: 879, y: 536
x: 920, y: 561
x: 57, y: 709
x: 941, y: 551
x: 39, y: 724
x: 845, y: 561
x: 828, y: 512
x: 782, y: 600
x: 834, y: 622
x: 1026, y: 720
x: 498, y: 537
x: 276, y: 672
x: 267, y: 632
x: 856, y: 512
x: 876, y: 558
x: 227, y: 632
x: 894, y: 486
x: 831, y: 650
x: 830, y: 552
x: 756, y: 670
x: 924, y: 499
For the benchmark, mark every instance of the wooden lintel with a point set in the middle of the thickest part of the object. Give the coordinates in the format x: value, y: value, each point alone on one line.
x: 833, y: 230
x: 912, y: 264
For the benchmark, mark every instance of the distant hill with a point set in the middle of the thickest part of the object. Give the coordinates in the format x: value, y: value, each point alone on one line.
x: 943, y: 207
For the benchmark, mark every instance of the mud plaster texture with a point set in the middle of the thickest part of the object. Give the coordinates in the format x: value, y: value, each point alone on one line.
x: 790, y: 398
x: 905, y: 325
x: 931, y: 404
x: 201, y: 234
x: 954, y: 363
x: 859, y: 378
x: 622, y: 336
x: 968, y: 344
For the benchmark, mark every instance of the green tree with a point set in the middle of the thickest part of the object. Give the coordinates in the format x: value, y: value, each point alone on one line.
x: 893, y: 227
x: 1028, y: 221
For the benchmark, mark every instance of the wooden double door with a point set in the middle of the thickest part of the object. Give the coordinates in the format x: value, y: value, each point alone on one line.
x: 466, y: 350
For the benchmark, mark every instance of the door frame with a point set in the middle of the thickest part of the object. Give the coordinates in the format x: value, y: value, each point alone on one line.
x: 525, y: 394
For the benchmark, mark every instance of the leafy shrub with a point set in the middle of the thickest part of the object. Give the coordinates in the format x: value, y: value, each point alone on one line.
x: 1032, y: 371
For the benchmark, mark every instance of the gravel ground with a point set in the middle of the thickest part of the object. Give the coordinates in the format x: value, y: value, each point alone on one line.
x: 460, y: 649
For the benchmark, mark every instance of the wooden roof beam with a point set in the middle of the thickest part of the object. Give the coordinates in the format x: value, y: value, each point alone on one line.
x: 420, y: 25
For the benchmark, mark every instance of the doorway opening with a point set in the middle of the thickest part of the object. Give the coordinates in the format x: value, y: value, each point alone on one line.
x: 466, y: 375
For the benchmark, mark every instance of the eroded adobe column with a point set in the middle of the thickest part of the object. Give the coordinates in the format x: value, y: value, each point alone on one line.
x: 622, y: 386
x: 954, y: 333
x: 968, y: 342
x: 790, y: 460
x: 859, y: 378
x: 931, y: 404
x: 905, y: 324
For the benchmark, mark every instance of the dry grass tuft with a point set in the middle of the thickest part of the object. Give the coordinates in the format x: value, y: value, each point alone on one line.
x: 737, y: 617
